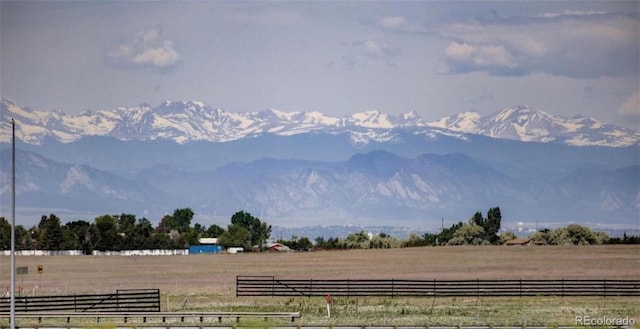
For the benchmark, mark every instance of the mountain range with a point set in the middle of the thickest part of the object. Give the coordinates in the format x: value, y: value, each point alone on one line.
x: 308, y: 169
x: 185, y: 122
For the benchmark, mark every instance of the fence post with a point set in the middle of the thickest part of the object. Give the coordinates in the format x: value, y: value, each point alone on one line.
x: 310, y: 288
x: 478, y: 287
x: 392, y: 292
x: 348, y: 289
x: 562, y: 287
x: 520, y: 288
x: 434, y: 288
x: 604, y: 288
x: 158, y: 299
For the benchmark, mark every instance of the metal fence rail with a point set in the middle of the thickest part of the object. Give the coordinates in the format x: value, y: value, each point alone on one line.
x: 135, y: 300
x: 271, y: 286
x: 151, y: 317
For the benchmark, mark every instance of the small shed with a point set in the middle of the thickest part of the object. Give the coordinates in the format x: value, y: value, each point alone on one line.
x: 205, y: 249
x: 278, y: 247
x: 208, y: 240
x: 235, y: 250
x: 207, y: 246
x: 518, y: 242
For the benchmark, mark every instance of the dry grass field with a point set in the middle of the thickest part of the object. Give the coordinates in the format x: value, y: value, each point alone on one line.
x: 207, y: 282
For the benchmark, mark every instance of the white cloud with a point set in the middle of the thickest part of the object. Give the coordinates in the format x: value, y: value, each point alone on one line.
x: 574, y: 44
x: 631, y: 106
x: 392, y: 22
x: 574, y: 13
x: 146, y: 50
x: 482, y: 56
x: 370, y: 49
x: 374, y: 48
x: 459, y: 51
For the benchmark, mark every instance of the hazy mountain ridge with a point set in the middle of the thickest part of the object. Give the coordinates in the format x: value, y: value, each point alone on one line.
x: 377, y: 188
x: 185, y: 122
x: 44, y: 184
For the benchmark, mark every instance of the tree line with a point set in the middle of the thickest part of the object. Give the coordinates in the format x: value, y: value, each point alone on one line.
x: 126, y: 232
x: 480, y: 230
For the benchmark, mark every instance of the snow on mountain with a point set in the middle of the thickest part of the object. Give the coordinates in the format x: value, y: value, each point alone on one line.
x: 467, y: 122
x: 189, y: 121
x: 530, y: 125
x: 371, y: 119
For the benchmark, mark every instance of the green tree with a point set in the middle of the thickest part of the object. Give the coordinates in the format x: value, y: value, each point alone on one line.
x: 320, y: 242
x: 166, y: 224
x: 477, y: 219
x: 235, y: 236
x: 572, y: 234
x: 160, y: 240
x: 77, y: 236
x: 182, y: 219
x: 142, y: 233
x: 5, y: 234
x: 24, y: 240
x: 468, y: 234
x: 259, y: 232
x: 507, y: 236
x: 581, y: 235
x: 358, y: 240
x: 447, y: 234
x: 214, y: 231
x: 126, y: 232
x: 625, y: 239
x: 50, y: 236
x: 297, y: 243
x: 107, y: 233
x: 560, y: 237
x: 542, y: 237
x: 492, y: 225
x: 415, y: 240
x: 331, y: 243
x: 383, y: 241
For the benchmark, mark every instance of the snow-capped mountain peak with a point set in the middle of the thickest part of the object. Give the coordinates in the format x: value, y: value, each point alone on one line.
x: 531, y: 125
x: 466, y: 122
x: 372, y: 119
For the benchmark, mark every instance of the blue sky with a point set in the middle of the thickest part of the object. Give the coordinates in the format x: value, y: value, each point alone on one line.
x: 435, y: 58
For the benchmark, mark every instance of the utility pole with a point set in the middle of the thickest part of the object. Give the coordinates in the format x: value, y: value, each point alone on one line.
x: 13, y: 225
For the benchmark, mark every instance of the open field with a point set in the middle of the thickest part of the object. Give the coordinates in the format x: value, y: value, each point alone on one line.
x: 207, y: 282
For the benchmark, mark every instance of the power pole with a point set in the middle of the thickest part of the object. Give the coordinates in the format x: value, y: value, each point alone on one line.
x: 13, y: 225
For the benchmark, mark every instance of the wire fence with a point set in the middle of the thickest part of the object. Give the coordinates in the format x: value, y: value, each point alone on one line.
x: 272, y: 286
x: 133, y: 300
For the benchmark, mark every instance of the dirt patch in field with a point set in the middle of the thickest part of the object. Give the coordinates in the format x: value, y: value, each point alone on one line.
x: 216, y: 274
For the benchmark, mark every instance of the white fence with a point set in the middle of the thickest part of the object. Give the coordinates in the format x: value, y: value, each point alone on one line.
x: 153, y: 252
x: 148, y: 252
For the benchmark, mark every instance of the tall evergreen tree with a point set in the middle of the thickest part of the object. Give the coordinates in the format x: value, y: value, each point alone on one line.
x: 107, y: 234
x: 492, y: 225
x: 50, y: 235
x: 5, y: 234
